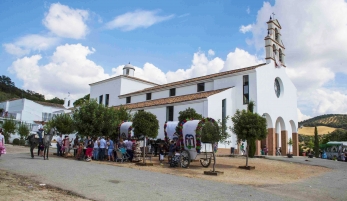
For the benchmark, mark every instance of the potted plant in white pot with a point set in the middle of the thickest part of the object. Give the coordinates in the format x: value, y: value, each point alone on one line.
x: 290, y: 143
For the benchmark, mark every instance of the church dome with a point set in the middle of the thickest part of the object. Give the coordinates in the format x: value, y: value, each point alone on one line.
x: 129, y: 66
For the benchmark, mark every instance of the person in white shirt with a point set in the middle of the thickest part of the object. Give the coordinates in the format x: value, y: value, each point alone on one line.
x: 59, y: 143
x: 40, y: 130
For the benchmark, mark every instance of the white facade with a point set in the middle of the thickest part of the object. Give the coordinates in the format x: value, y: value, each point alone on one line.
x: 28, y: 111
x: 259, y: 82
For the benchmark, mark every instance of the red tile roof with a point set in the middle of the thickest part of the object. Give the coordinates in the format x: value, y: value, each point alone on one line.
x: 173, y: 99
x: 172, y: 84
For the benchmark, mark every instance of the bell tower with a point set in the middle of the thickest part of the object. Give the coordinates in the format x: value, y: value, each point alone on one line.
x: 128, y: 69
x: 274, y: 47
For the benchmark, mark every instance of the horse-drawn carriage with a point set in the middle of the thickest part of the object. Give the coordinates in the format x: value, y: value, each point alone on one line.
x: 192, y: 148
x: 126, y: 130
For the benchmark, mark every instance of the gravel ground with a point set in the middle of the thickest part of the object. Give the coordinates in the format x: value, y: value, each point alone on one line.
x: 104, y: 182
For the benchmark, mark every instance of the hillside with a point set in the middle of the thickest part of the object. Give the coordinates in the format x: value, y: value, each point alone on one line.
x: 310, y: 130
x: 329, y: 120
x: 8, y: 90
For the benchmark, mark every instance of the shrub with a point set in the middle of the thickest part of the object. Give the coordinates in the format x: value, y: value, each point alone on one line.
x: 22, y: 142
x: 15, y: 141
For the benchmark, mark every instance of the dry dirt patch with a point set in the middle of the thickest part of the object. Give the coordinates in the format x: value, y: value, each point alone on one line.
x: 15, y: 187
x: 266, y: 173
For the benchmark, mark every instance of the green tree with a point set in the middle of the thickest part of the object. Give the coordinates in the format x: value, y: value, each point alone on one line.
x: 56, y: 100
x: 290, y: 143
x: 310, y: 145
x: 63, y: 123
x: 23, y: 130
x: 188, y: 113
x: 215, y: 132
x: 252, y: 144
x: 145, y: 124
x: 81, y: 101
x: 93, y: 119
x: 248, y: 126
x: 316, y: 142
x: 9, y: 128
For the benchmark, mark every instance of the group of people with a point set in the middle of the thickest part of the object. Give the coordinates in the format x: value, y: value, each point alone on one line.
x: 96, y: 148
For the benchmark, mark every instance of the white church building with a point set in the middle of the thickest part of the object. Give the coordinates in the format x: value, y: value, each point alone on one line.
x: 32, y: 112
x: 217, y: 95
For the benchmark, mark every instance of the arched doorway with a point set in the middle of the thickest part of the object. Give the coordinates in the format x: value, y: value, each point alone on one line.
x: 295, y: 138
x: 281, y: 136
x: 269, y: 142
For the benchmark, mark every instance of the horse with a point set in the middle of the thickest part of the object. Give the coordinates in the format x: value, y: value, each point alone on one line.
x: 33, y: 142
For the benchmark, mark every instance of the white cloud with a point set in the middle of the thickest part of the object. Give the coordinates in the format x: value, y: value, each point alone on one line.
x: 210, y: 52
x: 301, y: 116
x: 137, y: 19
x: 15, y: 50
x: 240, y: 59
x: 26, y: 44
x: 313, y: 39
x: 248, y: 10
x: 68, y: 70
x: 245, y: 29
x: 326, y: 101
x: 201, y: 65
x: 184, y: 15
x: 66, y: 22
x: 145, y: 73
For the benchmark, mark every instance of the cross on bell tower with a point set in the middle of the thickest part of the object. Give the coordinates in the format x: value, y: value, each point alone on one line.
x: 274, y: 46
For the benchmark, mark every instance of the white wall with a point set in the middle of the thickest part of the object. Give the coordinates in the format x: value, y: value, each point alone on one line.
x: 165, y: 93
x: 215, y: 112
x: 129, y: 85
x: 267, y: 102
x: 111, y: 87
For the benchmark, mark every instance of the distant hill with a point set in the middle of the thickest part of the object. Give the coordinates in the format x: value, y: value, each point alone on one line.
x: 322, y: 130
x: 8, y: 90
x: 329, y: 120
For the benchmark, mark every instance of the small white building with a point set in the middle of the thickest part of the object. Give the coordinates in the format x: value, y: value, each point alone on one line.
x: 217, y: 95
x: 32, y: 112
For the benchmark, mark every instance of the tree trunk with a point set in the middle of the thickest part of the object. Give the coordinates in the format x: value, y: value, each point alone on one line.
x: 247, y: 149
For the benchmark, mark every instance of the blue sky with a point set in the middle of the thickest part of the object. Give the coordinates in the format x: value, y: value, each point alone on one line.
x: 77, y: 42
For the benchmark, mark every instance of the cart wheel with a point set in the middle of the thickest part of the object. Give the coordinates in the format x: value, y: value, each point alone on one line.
x: 205, y: 162
x: 185, y: 159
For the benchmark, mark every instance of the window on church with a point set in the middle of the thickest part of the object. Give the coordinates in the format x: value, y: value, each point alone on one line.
x: 100, y: 99
x: 276, y: 35
x: 201, y: 87
x: 148, y: 96
x: 107, y: 99
x: 68, y: 103
x: 274, y: 51
x: 245, y: 89
x: 173, y: 92
x: 128, y: 99
x: 127, y: 71
x: 169, y: 113
x: 280, y: 55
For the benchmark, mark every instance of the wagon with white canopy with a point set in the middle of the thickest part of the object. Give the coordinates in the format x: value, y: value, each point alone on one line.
x: 126, y: 130
x: 170, y: 131
x: 192, y: 148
